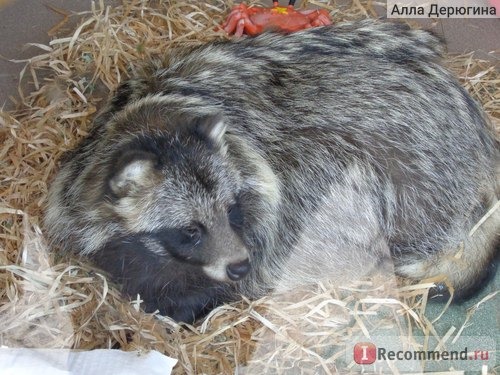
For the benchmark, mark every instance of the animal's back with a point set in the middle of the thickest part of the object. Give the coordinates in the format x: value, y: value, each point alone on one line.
x: 370, y: 93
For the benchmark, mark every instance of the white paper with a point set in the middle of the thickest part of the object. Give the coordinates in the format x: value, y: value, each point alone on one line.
x: 20, y: 361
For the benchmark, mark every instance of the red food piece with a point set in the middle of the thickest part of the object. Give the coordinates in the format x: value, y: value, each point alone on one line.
x: 255, y: 20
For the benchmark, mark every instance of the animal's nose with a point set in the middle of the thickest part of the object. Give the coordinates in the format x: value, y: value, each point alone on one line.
x: 237, y: 271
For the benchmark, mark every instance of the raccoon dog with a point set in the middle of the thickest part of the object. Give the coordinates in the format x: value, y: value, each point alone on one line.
x: 245, y: 166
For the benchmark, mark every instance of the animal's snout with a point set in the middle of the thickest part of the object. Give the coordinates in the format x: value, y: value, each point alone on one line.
x: 237, y: 271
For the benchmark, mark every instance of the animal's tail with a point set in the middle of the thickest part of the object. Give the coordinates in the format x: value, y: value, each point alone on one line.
x: 465, y: 269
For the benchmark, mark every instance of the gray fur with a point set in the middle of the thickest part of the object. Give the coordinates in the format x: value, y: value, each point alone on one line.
x: 343, y: 145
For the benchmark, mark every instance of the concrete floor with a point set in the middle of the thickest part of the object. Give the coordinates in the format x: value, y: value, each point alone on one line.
x: 28, y: 21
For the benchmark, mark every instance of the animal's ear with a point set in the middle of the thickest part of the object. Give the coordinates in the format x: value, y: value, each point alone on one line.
x: 212, y: 128
x: 134, y: 171
x: 122, y: 96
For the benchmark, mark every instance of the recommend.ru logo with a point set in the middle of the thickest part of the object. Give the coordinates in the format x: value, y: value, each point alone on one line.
x: 365, y: 353
x: 386, y: 352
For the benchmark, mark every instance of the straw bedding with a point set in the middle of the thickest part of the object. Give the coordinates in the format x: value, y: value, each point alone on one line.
x: 52, y: 302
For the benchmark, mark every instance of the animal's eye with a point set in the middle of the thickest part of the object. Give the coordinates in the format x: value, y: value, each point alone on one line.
x: 192, y: 234
x: 235, y: 215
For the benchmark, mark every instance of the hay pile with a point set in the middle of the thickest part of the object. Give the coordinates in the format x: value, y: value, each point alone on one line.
x: 59, y: 303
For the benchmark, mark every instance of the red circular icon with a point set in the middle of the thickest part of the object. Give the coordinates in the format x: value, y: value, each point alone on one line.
x: 365, y: 353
